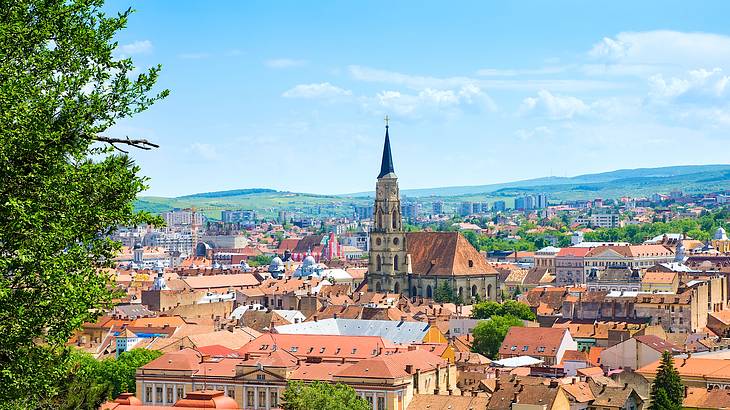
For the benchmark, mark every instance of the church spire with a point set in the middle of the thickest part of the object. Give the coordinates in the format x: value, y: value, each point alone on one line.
x: 386, y: 166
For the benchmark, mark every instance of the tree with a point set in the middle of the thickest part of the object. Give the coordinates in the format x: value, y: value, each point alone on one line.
x: 444, y: 293
x: 489, y: 334
x: 322, y: 396
x: 487, y: 309
x: 66, y: 183
x: 121, y: 372
x: 667, y: 392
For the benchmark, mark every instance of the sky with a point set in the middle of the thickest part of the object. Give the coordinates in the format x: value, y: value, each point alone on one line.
x: 291, y: 95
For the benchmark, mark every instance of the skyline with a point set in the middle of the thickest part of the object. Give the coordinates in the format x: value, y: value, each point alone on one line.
x: 293, y: 98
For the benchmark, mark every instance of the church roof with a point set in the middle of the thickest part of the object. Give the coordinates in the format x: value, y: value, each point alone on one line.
x: 386, y: 166
x: 445, y: 254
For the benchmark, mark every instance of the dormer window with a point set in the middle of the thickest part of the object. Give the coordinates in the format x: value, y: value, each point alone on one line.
x: 471, y: 263
x: 525, y: 348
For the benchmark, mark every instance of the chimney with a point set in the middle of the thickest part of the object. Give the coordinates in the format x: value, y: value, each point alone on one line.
x: 335, y: 315
x: 315, y: 318
x: 403, y: 318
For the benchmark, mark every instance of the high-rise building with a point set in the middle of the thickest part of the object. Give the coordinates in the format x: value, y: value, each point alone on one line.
x: 438, y: 207
x: 499, y: 206
x: 364, y: 212
x: 410, y: 210
x: 283, y: 217
x: 541, y: 201
x: 179, y: 217
x: 466, y: 208
x: 241, y: 216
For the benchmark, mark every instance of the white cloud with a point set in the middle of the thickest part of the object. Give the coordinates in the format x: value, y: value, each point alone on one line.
x: 431, y: 101
x: 418, y: 82
x: 137, y: 47
x: 697, y: 86
x: 527, y: 134
x: 499, y: 72
x: 285, y: 63
x: 205, y: 151
x: 663, y: 47
x: 554, y: 106
x: 321, y: 90
x: 194, y: 56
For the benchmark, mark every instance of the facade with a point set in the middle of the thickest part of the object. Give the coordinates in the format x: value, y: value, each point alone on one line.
x: 415, y: 264
x: 545, y: 258
x: 544, y: 343
x: 499, y: 206
x: 631, y: 256
x: 569, y: 266
x: 241, y: 216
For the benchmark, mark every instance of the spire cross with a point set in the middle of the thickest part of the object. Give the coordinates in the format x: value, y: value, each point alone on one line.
x: 387, y: 120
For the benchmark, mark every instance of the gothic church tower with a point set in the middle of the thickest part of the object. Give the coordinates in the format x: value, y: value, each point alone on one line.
x: 389, y: 263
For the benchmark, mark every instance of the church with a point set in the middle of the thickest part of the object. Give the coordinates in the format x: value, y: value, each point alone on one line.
x: 416, y: 263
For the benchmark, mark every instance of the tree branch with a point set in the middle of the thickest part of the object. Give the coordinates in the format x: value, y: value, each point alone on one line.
x: 136, y: 143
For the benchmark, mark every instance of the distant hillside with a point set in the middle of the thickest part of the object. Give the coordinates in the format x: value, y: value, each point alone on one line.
x: 587, y: 179
x: 625, y: 182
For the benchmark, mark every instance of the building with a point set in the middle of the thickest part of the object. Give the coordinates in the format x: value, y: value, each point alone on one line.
x: 416, y: 263
x: 544, y: 343
x: 411, y: 210
x: 569, y: 266
x: 613, y: 278
x: 466, y: 208
x: 604, y: 218
x: 636, y: 352
x: 631, y: 256
x: 499, y: 206
x: 180, y: 217
x: 241, y: 216
x: 438, y: 207
x: 363, y: 212
x: 545, y: 258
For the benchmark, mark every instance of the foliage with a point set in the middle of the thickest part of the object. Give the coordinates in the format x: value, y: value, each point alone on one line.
x: 487, y: 309
x: 88, y: 382
x: 489, y: 334
x: 667, y: 392
x: 444, y: 293
x: 259, y: 260
x: 322, y: 396
x: 702, y: 228
x: 64, y: 189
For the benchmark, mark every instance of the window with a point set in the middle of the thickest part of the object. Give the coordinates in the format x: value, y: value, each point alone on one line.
x: 525, y: 348
x: 232, y: 393
x: 541, y: 349
x: 471, y: 263
x: 370, y: 401
x: 354, y: 349
x: 321, y: 350
x: 148, y: 394
x: 381, y: 403
x: 249, y: 398
x: 395, y: 263
x: 169, y: 395
x: 513, y: 348
x: 180, y: 393
x: 378, y: 241
x: 395, y: 241
x: 274, y: 398
x: 294, y: 349
x: 260, y: 377
x: 158, y: 394
x: 262, y: 397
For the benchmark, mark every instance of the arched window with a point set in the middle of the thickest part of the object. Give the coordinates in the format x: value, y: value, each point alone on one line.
x: 473, y: 290
x: 379, y: 217
x: 396, y: 288
x: 429, y: 292
x: 395, y: 263
x: 415, y: 292
x: 489, y: 291
x: 378, y: 287
x: 461, y: 292
x: 395, y: 219
x: 380, y: 263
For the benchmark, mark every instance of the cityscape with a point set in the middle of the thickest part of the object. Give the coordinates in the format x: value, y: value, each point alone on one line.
x: 147, y: 267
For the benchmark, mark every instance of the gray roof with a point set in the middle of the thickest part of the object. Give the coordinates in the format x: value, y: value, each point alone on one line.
x: 395, y: 331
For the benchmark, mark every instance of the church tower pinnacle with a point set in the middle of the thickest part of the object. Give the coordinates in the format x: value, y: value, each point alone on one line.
x: 389, y: 263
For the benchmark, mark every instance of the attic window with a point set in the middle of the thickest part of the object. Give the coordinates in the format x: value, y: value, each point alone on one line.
x: 321, y: 350
x: 294, y: 349
x: 541, y: 349
x: 354, y: 349
x: 525, y: 348
x: 471, y: 263
x: 513, y: 348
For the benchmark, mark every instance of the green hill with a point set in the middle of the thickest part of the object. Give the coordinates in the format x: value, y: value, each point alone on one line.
x: 614, y: 184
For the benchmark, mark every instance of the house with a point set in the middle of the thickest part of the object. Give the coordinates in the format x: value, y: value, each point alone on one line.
x: 516, y: 395
x: 660, y: 282
x: 636, y: 352
x: 394, y: 331
x: 616, y: 398
x: 547, y: 344
x: 695, y: 372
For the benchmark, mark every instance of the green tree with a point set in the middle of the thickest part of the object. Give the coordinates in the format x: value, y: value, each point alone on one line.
x: 487, y: 309
x: 121, y: 372
x: 489, y: 334
x: 322, y: 396
x: 667, y: 392
x: 259, y: 260
x: 65, y: 187
x: 444, y: 293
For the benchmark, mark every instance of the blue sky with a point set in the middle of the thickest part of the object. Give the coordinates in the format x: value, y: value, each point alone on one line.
x: 292, y: 95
